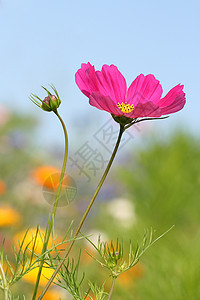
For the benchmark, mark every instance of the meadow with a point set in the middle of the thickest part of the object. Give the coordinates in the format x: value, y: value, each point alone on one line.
x: 156, y: 187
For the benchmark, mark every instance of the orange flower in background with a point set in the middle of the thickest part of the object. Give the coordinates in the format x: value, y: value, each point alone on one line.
x: 126, y: 278
x: 49, y: 177
x: 53, y: 295
x: 86, y: 259
x: 9, y: 216
x: 30, y: 239
x: 5, y: 115
x: 3, y: 187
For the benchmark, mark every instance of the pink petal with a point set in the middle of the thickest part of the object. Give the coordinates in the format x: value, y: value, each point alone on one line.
x: 112, y: 83
x: 104, y: 103
x: 177, y: 105
x: 147, y: 109
x: 86, y: 79
x: 144, y: 89
x: 171, y: 95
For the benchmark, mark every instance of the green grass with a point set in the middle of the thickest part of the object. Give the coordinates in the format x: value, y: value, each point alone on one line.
x: 164, y: 185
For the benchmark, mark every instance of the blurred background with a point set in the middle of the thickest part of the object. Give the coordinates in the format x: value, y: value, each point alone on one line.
x: 155, y: 181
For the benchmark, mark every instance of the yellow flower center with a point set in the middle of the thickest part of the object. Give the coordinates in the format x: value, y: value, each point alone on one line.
x: 125, y: 108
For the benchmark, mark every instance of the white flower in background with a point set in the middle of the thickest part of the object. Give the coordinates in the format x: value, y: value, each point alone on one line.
x: 123, y: 211
x: 93, y: 236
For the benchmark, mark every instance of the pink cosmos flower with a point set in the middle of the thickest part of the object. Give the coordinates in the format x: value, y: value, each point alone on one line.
x: 107, y: 90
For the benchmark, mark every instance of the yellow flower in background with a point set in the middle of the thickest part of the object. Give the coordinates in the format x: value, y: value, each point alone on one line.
x: 30, y: 239
x: 7, y: 268
x: 3, y: 187
x: 9, y: 216
x: 49, y: 177
x: 31, y: 276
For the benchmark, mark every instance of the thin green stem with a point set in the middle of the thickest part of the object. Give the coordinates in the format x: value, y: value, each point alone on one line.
x: 112, y: 288
x: 5, y: 284
x: 86, y: 212
x: 144, y: 119
x: 52, y: 217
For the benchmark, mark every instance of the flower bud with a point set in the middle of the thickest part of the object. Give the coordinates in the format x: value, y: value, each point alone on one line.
x: 46, y: 104
x: 50, y: 103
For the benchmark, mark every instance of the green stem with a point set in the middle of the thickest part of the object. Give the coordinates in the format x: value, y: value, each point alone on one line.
x: 86, y: 212
x: 5, y: 284
x: 112, y: 288
x: 51, y: 221
x: 144, y: 119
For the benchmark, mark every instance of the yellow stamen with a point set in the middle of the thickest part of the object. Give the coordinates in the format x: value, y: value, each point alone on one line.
x: 125, y: 108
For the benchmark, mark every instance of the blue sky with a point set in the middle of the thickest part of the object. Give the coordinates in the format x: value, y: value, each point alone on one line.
x: 45, y: 42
